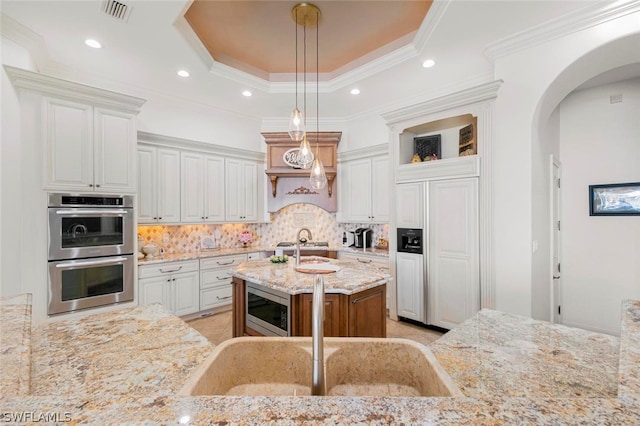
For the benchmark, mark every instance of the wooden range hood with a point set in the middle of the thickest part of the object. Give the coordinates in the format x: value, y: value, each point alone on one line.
x: 278, y: 143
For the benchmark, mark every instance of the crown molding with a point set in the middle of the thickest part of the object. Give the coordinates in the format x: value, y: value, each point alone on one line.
x: 188, y: 144
x: 370, y: 151
x: 33, y: 42
x: 51, y: 86
x: 570, y: 23
x: 434, y: 14
x: 481, y: 93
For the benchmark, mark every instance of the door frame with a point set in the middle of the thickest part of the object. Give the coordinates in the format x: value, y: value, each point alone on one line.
x: 555, y: 238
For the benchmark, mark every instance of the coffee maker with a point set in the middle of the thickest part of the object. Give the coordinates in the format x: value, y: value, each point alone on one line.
x: 363, y: 237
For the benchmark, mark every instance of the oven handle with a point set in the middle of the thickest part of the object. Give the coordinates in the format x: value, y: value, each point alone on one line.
x: 93, y: 211
x: 91, y: 262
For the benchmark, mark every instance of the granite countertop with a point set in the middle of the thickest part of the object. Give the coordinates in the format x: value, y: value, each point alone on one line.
x: 139, y: 357
x: 353, y: 277
x: 203, y: 254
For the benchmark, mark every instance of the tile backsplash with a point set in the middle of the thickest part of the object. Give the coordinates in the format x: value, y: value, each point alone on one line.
x: 283, y: 227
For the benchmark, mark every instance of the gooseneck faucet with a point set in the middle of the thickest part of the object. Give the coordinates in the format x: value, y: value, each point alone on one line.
x: 299, y: 239
x: 317, y: 335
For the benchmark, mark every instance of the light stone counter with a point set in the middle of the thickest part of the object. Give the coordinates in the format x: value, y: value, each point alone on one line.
x: 353, y: 277
x: 99, y: 348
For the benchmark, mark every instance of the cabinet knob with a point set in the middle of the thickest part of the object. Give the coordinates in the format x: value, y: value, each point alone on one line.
x: 97, y: 186
x: 160, y: 218
x: 90, y: 185
x: 202, y: 217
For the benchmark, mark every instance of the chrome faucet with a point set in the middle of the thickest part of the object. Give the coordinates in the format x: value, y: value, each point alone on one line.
x: 298, y: 240
x: 317, y: 335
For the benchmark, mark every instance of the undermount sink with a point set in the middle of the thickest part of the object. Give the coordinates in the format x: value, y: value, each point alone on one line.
x: 313, y: 244
x: 269, y: 366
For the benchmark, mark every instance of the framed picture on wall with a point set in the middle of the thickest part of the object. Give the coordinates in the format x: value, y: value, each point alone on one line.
x: 618, y: 199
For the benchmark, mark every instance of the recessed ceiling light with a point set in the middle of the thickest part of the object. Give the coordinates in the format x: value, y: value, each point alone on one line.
x: 247, y: 93
x: 355, y: 91
x: 428, y: 63
x: 183, y: 73
x: 93, y: 43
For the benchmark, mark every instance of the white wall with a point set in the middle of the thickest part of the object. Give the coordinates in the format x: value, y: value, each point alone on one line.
x: 523, y: 106
x: 12, y: 242
x: 599, y: 144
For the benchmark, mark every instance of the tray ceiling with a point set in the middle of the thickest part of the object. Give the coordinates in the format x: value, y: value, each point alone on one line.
x: 258, y: 37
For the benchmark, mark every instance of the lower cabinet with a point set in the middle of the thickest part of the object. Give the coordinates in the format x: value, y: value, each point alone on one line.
x: 361, y: 314
x: 175, y: 285
x: 215, y: 280
x: 378, y: 262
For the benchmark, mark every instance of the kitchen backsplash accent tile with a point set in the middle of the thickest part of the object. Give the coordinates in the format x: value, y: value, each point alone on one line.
x: 283, y: 227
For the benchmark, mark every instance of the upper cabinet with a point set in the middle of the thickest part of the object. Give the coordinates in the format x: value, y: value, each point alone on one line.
x: 241, y: 190
x: 158, y: 185
x: 87, y: 135
x: 183, y: 181
x: 364, y: 186
x: 202, y: 187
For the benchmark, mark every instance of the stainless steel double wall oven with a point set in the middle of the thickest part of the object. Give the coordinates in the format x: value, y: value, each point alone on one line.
x: 91, y: 244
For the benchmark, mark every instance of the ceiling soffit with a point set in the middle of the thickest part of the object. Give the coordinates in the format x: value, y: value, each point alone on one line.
x: 257, y: 38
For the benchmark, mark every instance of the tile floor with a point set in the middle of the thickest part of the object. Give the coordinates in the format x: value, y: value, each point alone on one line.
x: 217, y: 328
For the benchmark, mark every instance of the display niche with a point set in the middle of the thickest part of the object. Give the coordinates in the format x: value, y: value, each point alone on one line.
x: 443, y: 139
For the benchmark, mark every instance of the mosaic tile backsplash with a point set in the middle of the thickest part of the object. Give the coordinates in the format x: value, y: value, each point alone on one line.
x: 283, y: 227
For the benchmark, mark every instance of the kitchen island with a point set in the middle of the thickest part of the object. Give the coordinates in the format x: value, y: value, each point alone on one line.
x: 355, y: 299
x: 154, y: 353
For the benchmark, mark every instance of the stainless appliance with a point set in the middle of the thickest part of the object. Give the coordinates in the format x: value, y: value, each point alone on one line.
x: 362, y: 237
x: 268, y: 310
x: 91, y: 243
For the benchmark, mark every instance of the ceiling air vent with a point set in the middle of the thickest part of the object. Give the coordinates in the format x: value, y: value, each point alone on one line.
x: 116, y: 9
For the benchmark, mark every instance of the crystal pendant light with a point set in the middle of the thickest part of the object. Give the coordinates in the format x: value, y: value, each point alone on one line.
x: 305, y: 154
x: 296, y: 121
x: 318, y: 178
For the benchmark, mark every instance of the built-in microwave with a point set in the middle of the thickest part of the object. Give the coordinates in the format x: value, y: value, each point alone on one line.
x: 268, y: 310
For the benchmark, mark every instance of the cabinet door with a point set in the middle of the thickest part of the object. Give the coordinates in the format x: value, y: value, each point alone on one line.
x: 114, y: 151
x: 357, y: 201
x: 233, y: 188
x: 410, y: 205
x: 410, y: 286
x: 332, y: 316
x: 155, y: 290
x: 186, y: 293
x: 168, y: 185
x: 380, y: 184
x: 368, y: 313
x: 191, y: 182
x: 249, y: 191
x: 213, y: 189
x: 454, y: 276
x: 68, y: 142
x: 147, y: 188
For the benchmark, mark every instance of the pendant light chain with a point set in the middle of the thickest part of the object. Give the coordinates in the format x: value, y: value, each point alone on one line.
x: 296, y: 25
x: 317, y: 84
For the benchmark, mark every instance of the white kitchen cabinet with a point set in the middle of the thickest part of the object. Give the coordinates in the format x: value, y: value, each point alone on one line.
x: 88, y: 148
x: 365, y: 190
x: 410, y: 202
x: 158, y: 185
x: 176, y: 285
x: 241, y: 190
x: 410, y: 286
x: 215, y: 280
x: 453, y: 251
x: 202, y: 187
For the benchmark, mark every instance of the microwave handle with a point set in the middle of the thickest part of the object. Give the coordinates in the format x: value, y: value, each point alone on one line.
x: 90, y: 262
x: 93, y: 211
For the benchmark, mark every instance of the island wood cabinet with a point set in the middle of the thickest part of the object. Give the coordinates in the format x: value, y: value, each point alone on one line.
x: 365, y: 190
x: 173, y: 284
x: 202, y: 187
x: 361, y: 314
x: 158, y: 185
